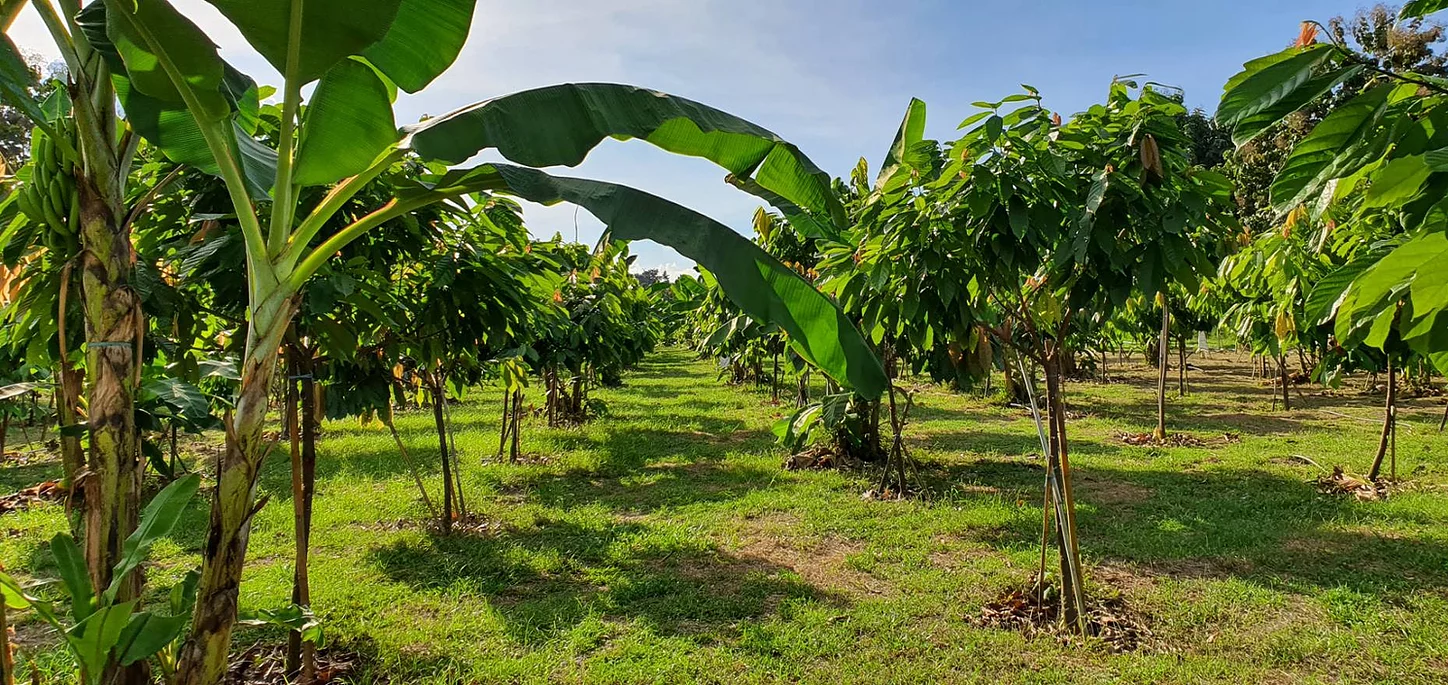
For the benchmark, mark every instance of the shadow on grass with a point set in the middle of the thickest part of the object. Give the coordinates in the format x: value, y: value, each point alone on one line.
x: 925, y: 412
x: 1142, y: 411
x: 665, y: 468
x: 14, y: 478
x: 1244, y: 523
x: 986, y: 442
x: 695, y: 591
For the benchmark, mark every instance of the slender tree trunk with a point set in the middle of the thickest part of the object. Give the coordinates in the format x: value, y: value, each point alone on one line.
x: 1390, y: 419
x: 774, y: 379
x: 1441, y: 423
x: 1282, y: 374
x: 507, y: 422
x: 1182, y: 366
x: 1163, y: 344
x: 803, y: 397
x: 895, y: 458
x: 294, y: 440
x: 302, y: 655
x: 551, y: 379
x: 175, y: 452
x: 114, y: 330
x: 1063, y: 499
x: 579, y: 401
x: 517, y: 419
x: 440, y: 422
x: 5, y: 428
x: 202, y: 659
x: 312, y: 411
x: 454, y: 453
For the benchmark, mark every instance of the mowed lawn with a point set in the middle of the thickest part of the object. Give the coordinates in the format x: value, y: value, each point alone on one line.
x: 663, y: 543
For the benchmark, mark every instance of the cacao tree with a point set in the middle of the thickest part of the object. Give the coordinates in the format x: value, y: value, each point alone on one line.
x: 195, y: 108
x: 1371, y: 170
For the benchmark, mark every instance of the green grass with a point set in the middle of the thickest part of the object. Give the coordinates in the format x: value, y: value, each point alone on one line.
x: 663, y: 543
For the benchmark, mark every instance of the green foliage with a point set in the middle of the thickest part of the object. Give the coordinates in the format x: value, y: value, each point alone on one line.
x: 1368, y: 169
x: 101, y: 628
x: 558, y: 125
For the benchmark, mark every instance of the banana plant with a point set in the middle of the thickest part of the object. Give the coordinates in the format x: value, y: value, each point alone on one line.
x: 102, y: 627
x: 91, y: 152
x: 184, y: 99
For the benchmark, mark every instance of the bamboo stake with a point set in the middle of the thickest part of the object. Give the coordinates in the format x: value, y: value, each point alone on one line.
x: 1046, y: 491
x: 411, y: 466
x: 1161, y: 372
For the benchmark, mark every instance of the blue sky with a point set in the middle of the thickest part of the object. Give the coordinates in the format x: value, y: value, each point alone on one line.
x: 832, y: 77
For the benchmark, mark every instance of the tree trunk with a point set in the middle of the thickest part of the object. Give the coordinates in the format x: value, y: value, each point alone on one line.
x: 175, y: 452
x: 774, y: 379
x: 1063, y: 499
x: 1163, y: 344
x: 1015, y: 387
x: 203, y: 658
x: 454, y: 454
x: 895, y: 458
x: 549, y: 397
x: 578, y: 403
x: 802, y: 398
x: 294, y: 440
x: 440, y: 422
x: 517, y: 448
x: 1182, y: 366
x: 302, y: 656
x: 1390, y: 421
x: 114, y: 330
x: 1282, y: 374
x: 507, y: 422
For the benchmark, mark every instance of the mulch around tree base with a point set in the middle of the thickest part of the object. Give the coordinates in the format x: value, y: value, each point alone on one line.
x: 469, y: 524
x: 49, y: 491
x: 265, y: 664
x: 1108, y: 620
x: 1177, y: 440
x: 818, y: 457
x: 1341, y: 483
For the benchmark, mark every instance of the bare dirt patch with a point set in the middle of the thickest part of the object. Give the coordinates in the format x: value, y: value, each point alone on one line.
x: 822, y: 562
x: 1203, y: 567
x: 1110, y: 492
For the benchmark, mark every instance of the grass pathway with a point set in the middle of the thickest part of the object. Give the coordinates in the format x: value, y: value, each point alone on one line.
x: 663, y: 543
